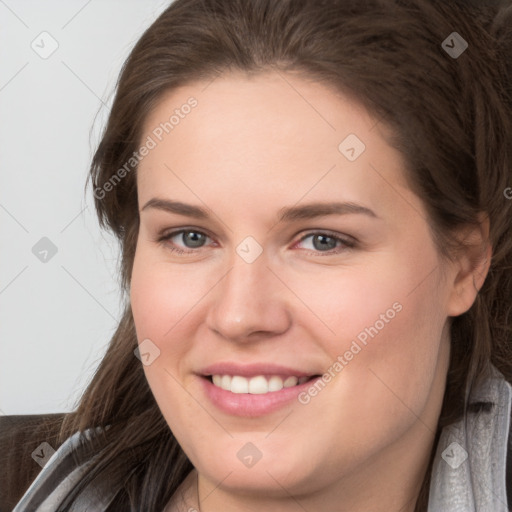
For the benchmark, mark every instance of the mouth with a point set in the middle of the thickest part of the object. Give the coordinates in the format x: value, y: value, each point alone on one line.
x: 254, y: 389
x: 252, y: 396
x: 258, y: 384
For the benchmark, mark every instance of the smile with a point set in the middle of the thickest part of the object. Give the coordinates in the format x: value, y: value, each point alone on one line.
x: 253, y: 396
x: 258, y: 385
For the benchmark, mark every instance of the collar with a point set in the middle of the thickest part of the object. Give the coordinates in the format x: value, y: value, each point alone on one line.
x: 469, y: 468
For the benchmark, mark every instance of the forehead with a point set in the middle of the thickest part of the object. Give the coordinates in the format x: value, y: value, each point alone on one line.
x: 266, y: 134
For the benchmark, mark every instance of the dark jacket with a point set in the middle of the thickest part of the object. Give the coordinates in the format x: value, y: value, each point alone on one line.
x: 20, y: 436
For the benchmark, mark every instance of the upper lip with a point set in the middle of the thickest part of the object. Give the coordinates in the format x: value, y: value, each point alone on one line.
x: 252, y: 370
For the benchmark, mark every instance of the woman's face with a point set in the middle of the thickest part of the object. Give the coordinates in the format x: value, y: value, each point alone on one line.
x: 294, y: 250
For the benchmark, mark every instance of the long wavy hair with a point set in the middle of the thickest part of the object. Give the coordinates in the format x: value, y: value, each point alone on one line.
x: 451, y: 118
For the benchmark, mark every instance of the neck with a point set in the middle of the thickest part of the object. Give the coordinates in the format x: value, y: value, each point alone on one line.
x: 387, y: 483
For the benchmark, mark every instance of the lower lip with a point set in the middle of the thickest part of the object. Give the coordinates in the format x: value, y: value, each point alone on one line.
x: 249, y: 405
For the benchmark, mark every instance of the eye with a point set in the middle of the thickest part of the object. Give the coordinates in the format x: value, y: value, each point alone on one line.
x: 328, y: 243
x: 190, y: 238
x: 188, y: 241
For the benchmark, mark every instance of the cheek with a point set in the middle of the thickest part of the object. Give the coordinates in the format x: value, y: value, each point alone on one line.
x: 161, y: 296
x: 161, y: 304
x: 358, y: 302
x: 160, y: 301
x: 386, y: 325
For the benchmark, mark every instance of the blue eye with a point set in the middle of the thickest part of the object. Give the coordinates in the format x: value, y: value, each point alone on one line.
x: 322, y: 243
x: 327, y: 243
x: 191, y: 239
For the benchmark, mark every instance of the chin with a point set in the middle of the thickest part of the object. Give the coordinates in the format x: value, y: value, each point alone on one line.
x: 277, y: 469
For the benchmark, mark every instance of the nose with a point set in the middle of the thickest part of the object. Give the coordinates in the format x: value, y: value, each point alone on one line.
x: 249, y: 303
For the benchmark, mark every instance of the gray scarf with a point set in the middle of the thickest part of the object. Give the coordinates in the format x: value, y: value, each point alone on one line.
x: 469, y: 471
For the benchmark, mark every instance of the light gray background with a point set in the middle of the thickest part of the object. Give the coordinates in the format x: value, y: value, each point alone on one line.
x: 56, y: 317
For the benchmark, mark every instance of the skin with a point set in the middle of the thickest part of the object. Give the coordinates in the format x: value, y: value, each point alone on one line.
x: 253, y: 145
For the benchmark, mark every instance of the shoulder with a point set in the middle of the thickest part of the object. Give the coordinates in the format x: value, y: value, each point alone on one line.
x: 509, y: 464
x: 26, y: 443
x: 472, y: 466
x: 69, y: 473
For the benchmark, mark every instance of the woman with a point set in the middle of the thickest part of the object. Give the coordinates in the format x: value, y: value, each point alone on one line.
x: 313, y: 205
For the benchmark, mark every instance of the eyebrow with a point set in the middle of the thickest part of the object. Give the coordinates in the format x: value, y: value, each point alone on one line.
x: 286, y: 214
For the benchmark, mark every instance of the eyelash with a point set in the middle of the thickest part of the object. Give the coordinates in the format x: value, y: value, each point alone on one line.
x: 347, y: 243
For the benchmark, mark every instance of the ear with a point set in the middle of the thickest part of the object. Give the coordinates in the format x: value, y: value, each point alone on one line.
x: 470, y: 268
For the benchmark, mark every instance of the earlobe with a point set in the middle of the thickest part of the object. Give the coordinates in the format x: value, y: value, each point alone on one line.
x: 472, y: 266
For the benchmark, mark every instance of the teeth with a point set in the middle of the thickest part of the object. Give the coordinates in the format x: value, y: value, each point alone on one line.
x: 255, y: 385
x: 239, y: 384
x: 275, y: 384
x: 225, y: 382
x: 290, y: 381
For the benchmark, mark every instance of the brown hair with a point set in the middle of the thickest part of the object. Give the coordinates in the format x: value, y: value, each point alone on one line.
x: 451, y: 118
